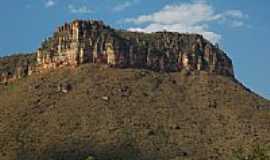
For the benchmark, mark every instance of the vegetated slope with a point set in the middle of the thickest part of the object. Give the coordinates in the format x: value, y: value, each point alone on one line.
x: 128, y: 114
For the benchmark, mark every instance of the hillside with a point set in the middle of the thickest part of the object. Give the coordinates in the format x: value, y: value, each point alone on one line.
x: 91, y: 90
x: 110, y: 113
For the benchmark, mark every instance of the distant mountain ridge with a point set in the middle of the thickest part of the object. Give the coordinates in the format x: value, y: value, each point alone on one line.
x: 90, y: 41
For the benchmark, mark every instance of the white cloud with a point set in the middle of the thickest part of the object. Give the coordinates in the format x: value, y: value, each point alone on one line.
x: 187, y: 17
x: 201, y: 29
x: 49, y: 3
x: 183, y: 13
x: 236, y: 23
x: 235, y: 14
x: 79, y: 9
x: 124, y: 5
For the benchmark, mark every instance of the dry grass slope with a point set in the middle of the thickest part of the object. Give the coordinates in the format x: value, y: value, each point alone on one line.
x: 129, y: 114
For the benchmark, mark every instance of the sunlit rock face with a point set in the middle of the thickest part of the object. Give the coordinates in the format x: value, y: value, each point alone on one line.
x: 91, y: 41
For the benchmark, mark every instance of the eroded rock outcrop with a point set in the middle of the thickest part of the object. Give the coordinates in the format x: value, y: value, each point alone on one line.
x: 16, y: 67
x: 93, y: 42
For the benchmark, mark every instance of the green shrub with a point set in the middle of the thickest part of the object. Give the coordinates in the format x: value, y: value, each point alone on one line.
x: 90, y: 158
x: 11, y: 87
x: 258, y: 153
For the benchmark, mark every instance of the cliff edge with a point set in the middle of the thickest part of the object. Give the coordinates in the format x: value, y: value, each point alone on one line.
x: 91, y: 41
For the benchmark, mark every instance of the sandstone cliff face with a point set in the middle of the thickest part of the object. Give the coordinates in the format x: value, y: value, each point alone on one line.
x: 93, y: 42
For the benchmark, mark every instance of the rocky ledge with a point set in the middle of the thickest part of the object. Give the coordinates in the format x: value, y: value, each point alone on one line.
x: 91, y: 41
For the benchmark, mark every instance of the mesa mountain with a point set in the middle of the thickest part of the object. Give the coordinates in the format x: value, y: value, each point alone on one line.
x: 113, y: 94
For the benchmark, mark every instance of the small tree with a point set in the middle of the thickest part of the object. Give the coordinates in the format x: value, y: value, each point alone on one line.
x: 258, y: 153
x: 90, y: 158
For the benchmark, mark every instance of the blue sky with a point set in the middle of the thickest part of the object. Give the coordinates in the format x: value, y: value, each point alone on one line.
x: 241, y: 27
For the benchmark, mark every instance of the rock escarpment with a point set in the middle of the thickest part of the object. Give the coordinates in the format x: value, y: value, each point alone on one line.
x: 16, y: 67
x: 82, y: 42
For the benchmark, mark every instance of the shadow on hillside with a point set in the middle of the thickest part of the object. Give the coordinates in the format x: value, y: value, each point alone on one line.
x: 79, y: 150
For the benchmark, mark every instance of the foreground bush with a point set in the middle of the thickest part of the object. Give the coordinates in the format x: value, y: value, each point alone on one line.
x: 258, y: 153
